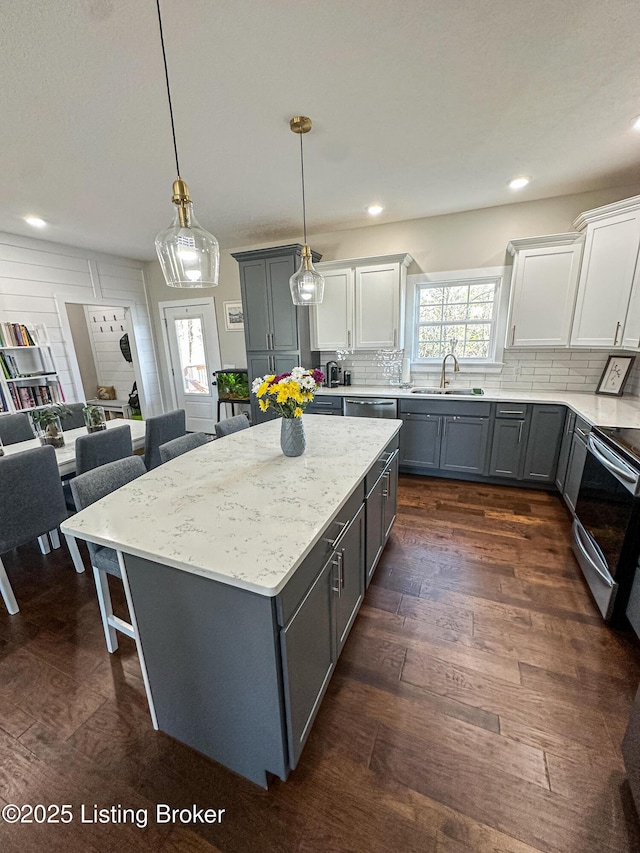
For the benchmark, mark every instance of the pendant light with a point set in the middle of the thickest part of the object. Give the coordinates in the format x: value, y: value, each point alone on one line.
x: 307, y: 285
x: 189, y: 255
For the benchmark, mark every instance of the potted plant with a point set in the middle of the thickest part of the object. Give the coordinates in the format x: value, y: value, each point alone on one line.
x: 48, y: 425
x: 94, y: 418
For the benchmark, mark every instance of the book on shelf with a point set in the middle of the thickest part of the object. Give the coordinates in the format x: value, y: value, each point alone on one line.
x: 3, y: 402
x: 16, y: 335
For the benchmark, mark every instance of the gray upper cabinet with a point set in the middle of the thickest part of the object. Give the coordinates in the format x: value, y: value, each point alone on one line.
x: 276, y: 331
x: 543, y: 445
x: 256, y: 304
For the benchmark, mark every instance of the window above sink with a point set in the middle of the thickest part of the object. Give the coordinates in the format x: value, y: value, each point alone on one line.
x: 468, y: 307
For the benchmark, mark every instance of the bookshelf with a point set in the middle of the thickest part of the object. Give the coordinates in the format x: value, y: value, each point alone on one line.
x: 28, y: 376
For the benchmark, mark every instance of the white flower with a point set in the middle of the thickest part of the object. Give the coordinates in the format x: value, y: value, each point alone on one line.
x: 297, y: 373
x: 308, y: 382
x: 257, y: 382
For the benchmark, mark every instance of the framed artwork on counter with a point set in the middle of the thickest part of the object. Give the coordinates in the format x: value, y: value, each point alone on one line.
x: 615, y: 375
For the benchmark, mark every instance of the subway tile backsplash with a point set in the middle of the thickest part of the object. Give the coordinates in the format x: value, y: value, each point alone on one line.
x: 526, y: 370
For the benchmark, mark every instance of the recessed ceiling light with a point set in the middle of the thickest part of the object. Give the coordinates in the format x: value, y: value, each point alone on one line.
x: 35, y: 221
x: 518, y: 183
x: 375, y: 209
x: 636, y: 123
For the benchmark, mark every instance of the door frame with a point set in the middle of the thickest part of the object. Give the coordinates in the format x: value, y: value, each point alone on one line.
x: 208, y: 301
x: 131, y: 308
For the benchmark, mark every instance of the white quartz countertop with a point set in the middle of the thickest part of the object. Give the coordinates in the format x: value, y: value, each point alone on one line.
x: 597, y: 409
x: 238, y: 510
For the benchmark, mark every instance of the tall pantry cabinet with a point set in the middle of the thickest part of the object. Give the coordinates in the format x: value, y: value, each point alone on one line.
x: 276, y: 331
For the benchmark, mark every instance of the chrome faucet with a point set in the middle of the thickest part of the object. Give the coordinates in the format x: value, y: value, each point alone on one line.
x: 456, y: 368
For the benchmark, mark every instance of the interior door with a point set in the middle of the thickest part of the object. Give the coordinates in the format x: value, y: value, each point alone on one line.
x: 194, y: 355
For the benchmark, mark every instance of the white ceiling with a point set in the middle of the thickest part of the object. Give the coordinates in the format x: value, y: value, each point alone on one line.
x: 427, y: 107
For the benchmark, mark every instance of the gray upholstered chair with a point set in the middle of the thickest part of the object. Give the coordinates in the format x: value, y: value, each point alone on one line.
x: 177, y: 446
x: 159, y: 430
x: 87, y: 489
x: 15, y: 428
x: 31, y: 506
x: 98, y: 448
x: 75, y: 418
x: 231, y: 425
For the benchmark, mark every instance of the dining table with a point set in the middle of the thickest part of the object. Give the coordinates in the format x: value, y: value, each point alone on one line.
x: 66, y: 455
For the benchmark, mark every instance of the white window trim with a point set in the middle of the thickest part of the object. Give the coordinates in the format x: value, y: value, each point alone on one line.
x: 494, y: 363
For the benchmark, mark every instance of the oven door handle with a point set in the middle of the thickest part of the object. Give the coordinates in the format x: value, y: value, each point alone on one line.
x: 577, y: 538
x: 596, y: 448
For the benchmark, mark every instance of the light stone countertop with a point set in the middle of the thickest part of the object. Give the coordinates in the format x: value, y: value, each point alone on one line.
x: 237, y: 510
x: 599, y: 410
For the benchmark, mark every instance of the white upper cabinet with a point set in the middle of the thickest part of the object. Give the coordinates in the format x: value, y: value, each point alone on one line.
x: 609, y: 277
x: 363, y: 305
x: 543, y: 289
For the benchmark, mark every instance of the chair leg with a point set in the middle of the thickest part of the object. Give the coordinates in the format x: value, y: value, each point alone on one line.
x: 55, y: 538
x: 7, y: 591
x: 43, y: 542
x: 106, y: 608
x: 74, y: 551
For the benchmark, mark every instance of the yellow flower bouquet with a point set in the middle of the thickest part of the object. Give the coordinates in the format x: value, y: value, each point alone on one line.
x: 288, y: 394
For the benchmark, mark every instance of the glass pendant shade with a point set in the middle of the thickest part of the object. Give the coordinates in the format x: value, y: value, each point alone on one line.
x: 307, y: 285
x: 189, y: 255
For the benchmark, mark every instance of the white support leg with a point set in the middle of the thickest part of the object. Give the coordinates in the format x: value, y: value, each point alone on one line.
x: 106, y: 609
x: 55, y: 538
x: 43, y: 542
x: 74, y: 551
x: 7, y: 591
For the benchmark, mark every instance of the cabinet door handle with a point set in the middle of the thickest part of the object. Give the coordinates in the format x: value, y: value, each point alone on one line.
x: 444, y: 427
x: 510, y: 412
x: 334, y: 542
x: 513, y: 335
x: 336, y: 580
x: 385, y: 488
x: 266, y: 337
x: 341, y: 568
x: 520, y: 432
x: 439, y: 425
x: 615, y: 339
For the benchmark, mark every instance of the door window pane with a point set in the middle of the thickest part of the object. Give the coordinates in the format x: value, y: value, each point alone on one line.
x: 193, y: 364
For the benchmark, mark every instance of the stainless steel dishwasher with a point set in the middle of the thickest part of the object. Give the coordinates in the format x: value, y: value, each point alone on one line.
x: 370, y: 407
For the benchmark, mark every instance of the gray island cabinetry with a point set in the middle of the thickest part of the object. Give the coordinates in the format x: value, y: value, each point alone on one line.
x: 244, y: 572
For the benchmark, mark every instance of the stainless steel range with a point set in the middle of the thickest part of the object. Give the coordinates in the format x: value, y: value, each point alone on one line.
x: 606, y: 530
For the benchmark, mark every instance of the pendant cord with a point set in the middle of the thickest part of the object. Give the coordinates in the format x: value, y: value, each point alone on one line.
x: 166, y: 75
x: 304, y: 207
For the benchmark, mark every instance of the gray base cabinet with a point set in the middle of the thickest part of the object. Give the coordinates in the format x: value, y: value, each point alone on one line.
x: 240, y: 676
x: 565, y: 449
x: 577, y: 458
x: 443, y: 435
x: 381, y: 503
x: 543, y: 443
x: 464, y: 444
x: 478, y: 440
x: 507, y: 448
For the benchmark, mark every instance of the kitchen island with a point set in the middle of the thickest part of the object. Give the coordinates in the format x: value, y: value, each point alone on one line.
x: 244, y: 571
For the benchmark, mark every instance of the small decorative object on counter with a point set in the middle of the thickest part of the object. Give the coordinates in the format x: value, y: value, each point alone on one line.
x: 288, y: 394
x: 48, y: 426
x: 94, y: 418
x: 346, y: 377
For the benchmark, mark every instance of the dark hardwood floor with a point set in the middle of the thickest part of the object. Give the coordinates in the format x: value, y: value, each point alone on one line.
x: 478, y: 706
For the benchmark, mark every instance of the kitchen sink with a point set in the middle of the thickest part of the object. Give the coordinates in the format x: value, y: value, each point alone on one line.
x: 459, y: 392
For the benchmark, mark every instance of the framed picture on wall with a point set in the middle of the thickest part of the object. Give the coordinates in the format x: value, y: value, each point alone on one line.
x: 233, y: 316
x: 615, y: 375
